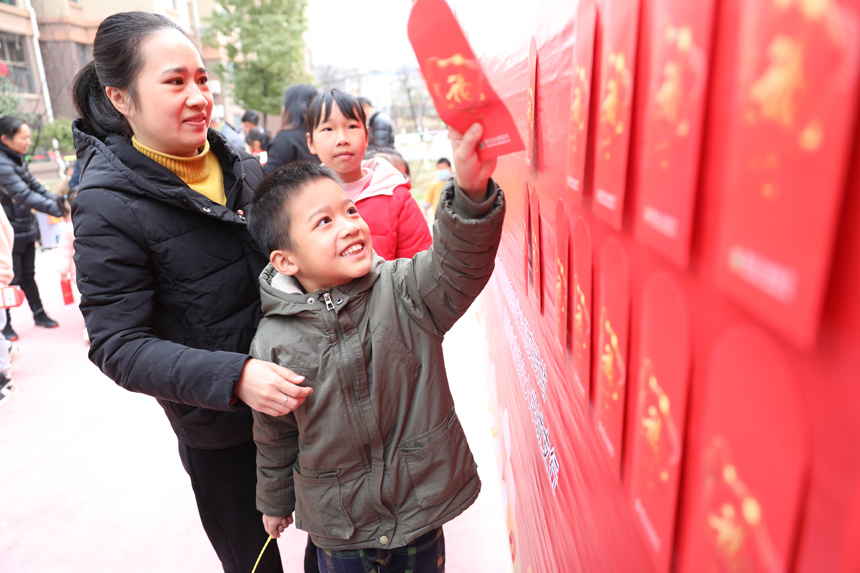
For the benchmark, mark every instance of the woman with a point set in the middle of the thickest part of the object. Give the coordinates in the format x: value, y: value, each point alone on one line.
x: 19, y: 194
x: 167, y: 270
x: 291, y: 143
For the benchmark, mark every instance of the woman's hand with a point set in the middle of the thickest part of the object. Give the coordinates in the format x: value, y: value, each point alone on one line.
x: 472, y: 173
x: 275, y: 526
x: 271, y: 389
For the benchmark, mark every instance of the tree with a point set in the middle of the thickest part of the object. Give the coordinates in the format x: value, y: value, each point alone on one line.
x: 10, y: 101
x: 61, y: 130
x: 264, y: 43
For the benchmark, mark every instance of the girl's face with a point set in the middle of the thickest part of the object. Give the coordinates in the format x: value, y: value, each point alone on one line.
x: 20, y: 142
x: 340, y: 143
x: 174, y: 102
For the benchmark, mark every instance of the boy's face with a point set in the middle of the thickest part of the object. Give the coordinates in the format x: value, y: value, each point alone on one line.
x: 331, y: 242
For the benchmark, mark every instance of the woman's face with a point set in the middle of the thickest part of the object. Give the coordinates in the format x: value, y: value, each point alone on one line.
x: 174, y: 102
x: 20, y: 142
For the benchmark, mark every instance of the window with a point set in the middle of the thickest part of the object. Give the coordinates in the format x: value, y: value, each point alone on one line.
x: 9, y: 2
x: 13, y: 63
x: 85, y: 53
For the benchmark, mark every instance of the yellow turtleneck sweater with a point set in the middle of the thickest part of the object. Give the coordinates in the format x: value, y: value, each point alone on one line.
x: 202, y: 172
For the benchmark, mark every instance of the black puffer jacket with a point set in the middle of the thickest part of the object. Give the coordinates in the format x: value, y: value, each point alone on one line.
x: 168, y: 282
x: 289, y: 145
x: 19, y: 193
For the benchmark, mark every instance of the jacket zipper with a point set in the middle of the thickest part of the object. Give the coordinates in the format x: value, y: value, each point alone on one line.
x: 351, y: 380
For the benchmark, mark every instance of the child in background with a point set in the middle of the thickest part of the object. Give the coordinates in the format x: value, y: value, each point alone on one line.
x: 375, y: 461
x: 338, y: 135
x: 9, y: 351
x: 443, y: 173
x: 391, y: 155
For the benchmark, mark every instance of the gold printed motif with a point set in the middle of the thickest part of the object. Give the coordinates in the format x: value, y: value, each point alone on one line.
x: 611, y: 362
x: 812, y: 136
x: 581, y: 318
x: 777, y: 91
x: 459, y: 81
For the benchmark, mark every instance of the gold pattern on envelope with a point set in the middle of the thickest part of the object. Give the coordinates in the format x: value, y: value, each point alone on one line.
x: 657, y: 427
x: 734, y: 520
x: 581, y: 318
x: 611, y: 363
x: 577, y: 108
x: 776, y: 94
x: 616, y: 98
x: 458, y: 82
x: 561, y: 287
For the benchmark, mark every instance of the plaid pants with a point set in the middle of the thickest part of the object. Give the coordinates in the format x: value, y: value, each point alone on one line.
x: 424, y: 555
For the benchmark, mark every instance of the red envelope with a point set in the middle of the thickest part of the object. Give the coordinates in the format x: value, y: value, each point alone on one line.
x: 527, y: 235
x: 459, y: 88
x: 581, y: 316
x: 12, y: 296
x: 790, y: 142
x: 746, y: 492
x: 620, y: 23
x: 580, y: 97
x: 658, y: 440
x: 531, y: 136
x: 562, y: 272
x: 611, y: 385
x: 535, y: 258
x: 680, y: 40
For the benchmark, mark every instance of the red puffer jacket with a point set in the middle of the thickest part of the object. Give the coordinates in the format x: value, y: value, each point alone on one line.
x: 397, y: 226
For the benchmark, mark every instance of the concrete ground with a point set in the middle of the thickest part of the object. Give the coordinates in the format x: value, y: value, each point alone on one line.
x: 90, y: 479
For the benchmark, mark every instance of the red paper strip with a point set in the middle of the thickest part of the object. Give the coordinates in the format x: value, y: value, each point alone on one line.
x: 457, y: 83
x: 582, y: 315
x: 562, y: 273
x: 580, y: 96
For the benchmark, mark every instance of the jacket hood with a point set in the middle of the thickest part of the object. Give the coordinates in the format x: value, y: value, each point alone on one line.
x: 113, y: 163
x: 283, y: 295
x: 386, y: 178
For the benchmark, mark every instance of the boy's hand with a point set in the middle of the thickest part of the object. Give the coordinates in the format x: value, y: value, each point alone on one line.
x: 472, y: 173
x: 271, y: 389
x: 275, y: 526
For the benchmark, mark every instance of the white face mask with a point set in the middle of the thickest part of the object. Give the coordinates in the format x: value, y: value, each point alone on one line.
x: 443, y: 174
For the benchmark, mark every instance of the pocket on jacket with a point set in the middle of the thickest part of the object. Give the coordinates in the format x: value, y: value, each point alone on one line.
x: 439, y: 462
x: 319, y: 505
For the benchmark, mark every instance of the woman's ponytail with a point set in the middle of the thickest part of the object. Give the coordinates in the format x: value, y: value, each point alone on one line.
x: 94, y: 107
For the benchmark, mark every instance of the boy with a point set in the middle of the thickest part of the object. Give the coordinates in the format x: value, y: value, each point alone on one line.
x: 443, y: 173
x: 375, y: 461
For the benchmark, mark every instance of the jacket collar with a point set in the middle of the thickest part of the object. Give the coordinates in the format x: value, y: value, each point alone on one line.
x: 13, y: 155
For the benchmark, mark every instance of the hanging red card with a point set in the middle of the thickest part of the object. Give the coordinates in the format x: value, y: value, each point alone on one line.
x: 620, y: 24
x: 460, y: 90
x: 680, y: 40
x: 527, y: 235
x: 746, y: 493
x: 536, y: 259
x: 581, y: 315
x: 661, y: 414
x: 580, y: 97
x: 533, y: 121
x: 611, y: 378
x: 562, y: 273
x: 790, y: 152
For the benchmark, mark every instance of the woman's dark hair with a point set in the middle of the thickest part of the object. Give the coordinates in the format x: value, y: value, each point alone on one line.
x: 347, y: 104
x: 9, y: 125
x: 117, y: 60
x: 296, y: 100
x: 258, y: 134
x: 269, y: 212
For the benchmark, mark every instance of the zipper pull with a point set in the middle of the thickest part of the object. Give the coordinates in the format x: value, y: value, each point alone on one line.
x: 328, y: 303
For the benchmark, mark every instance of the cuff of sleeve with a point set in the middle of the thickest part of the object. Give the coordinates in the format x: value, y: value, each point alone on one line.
x: 465, y: 207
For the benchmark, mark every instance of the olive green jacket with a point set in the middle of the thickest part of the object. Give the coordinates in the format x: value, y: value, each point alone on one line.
x: 376, y: 456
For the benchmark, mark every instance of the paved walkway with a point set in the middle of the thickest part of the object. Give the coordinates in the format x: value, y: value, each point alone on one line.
x: 90, y: 479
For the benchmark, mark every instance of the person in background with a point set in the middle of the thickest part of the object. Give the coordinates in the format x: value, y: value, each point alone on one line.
x: 443, y: 173
x: 258, y: 141
x: 250, y: 120
x: 380, y: 128
x: 167, y: 270
x: 19, y: 194
x: 231, y: 134
x: 291, y: 142
x: 9, y: 351
x: 392, y: 156
x: 337, y: 133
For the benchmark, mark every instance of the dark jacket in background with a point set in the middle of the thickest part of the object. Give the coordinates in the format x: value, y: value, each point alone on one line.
x: 289, y: 145
x: 19, y: 194
x: 168, y: 282
x: 380, y: 130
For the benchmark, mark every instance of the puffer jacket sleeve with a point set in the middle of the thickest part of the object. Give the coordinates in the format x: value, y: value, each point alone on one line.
x: 118, y: 303
x: 413, y: 235
x: 443, y: 281
x: 23, y: 188
x: 277, y: 440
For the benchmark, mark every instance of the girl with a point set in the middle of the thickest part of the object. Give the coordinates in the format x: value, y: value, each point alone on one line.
x: 19, y: 194
x: 167, y: 270
x: 338, y: 135
x: 291, y: 141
